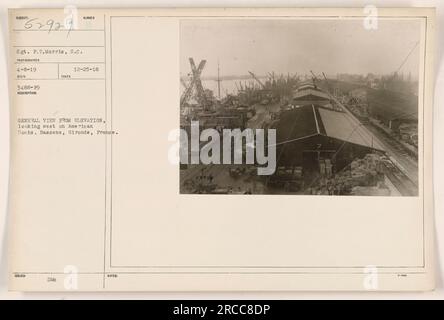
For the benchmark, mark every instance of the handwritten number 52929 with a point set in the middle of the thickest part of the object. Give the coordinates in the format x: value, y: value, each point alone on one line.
x: 49, y: 25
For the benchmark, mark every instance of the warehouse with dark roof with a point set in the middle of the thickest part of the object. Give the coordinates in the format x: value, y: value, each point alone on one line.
x: 312, y: 134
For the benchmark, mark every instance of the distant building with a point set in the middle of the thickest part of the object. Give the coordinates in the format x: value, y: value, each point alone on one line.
x: 356, y: 78
x: 308, y: 93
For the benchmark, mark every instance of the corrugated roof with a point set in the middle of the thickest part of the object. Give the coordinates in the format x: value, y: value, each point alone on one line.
x: 306, y: 83
x: 306, y: 86
x: 343, y: 126
x: 310, y: 120
x: 312, y: 92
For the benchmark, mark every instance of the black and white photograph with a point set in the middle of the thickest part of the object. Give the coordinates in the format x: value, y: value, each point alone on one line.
x: 300, y: 106
x: 227, y: 152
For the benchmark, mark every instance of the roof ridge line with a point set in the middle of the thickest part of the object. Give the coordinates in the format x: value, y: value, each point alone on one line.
x: 316, y: 119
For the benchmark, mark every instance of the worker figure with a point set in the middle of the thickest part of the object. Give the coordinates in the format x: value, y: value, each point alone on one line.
x: 328, y: 167
x: 321, y: 167
x: 330, y: 190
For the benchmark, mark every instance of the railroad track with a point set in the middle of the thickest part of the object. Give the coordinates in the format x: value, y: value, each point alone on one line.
x: 399, y: 179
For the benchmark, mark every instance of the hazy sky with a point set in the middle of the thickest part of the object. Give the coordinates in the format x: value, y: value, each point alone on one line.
x: 298, y: 46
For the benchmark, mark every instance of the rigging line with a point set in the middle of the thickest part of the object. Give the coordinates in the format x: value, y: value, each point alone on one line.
x: 288, y: 141
x: 405, y: 60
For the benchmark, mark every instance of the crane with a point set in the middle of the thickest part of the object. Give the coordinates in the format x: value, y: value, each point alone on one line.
x: 195, y: 82
x: 256, y: 78
x: 314, y: 78
x: 326, y: 81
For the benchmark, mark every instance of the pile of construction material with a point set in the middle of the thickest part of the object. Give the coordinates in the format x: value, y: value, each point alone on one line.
x: 379, y: 190
x: 363, y: 177
x: 367, y: 176
x: 366, y: 171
